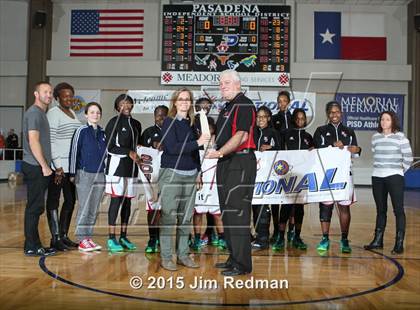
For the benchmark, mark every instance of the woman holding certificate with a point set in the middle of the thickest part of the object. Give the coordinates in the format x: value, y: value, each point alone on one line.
x: 179, y: 178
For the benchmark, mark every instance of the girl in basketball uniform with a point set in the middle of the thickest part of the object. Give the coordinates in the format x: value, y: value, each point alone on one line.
x: 294, y: 139
x: 266, y: 139
x: 338, y: 135
x: 122, y: 135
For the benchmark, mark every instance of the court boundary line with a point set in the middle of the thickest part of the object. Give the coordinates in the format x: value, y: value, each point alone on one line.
x: 396, y: 279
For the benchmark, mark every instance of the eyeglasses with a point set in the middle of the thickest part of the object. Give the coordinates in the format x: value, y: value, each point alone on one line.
x: 183, y: 99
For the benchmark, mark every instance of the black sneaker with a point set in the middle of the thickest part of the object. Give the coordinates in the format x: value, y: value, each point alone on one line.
x: 70, y: 244
x: 259, y: 246
x: 40, y: 252
x: 274, y: 237
x: 298, y: 243
x: 59, y: 245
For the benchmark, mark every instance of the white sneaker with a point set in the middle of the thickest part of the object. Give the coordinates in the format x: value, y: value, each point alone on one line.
x: 85, y: 246
x: 96, y: 247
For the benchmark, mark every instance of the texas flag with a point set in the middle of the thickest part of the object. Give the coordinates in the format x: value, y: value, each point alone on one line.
x: 351, y: 36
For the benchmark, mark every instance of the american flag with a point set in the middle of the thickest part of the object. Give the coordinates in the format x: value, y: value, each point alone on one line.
x: 106, y: 33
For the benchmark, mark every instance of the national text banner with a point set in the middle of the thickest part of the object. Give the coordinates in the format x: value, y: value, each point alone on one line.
x: 283, y: 177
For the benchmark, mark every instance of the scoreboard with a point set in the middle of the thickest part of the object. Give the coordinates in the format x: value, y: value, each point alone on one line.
x: 201, y: 40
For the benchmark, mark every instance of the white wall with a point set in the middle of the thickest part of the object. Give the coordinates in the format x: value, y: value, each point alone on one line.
x: 13, y: 30
x: 116, y: 76
x: 13, y: 52
x: 13, y: 59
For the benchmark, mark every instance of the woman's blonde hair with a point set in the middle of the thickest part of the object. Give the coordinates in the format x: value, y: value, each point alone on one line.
x: 172, y: 108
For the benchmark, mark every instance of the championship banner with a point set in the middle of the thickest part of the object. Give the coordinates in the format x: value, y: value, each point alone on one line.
x: 361, y: 111
x: 283, y: 177
x: 145, y: 101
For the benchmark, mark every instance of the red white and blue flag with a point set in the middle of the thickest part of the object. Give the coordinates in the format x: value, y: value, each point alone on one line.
x: 350, y: 36
x: 107, y: 33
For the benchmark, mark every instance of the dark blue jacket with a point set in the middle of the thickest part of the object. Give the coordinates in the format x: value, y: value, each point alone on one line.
x: 180, y: 148
x: 87, y: 151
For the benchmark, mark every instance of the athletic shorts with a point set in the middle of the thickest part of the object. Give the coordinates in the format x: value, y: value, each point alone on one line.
x: 120, y: 186
x: 152, y: 205
x: 215, y: 210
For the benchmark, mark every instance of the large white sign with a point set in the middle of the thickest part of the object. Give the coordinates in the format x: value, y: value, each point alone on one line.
x: 147, y: 100
x: 212, y: 78
x: 282, y: 176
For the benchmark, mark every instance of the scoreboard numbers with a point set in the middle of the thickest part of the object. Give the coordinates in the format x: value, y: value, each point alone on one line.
x: 216, y: 37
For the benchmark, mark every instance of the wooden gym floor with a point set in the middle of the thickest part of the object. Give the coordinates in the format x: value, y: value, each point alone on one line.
x: 298, y: 279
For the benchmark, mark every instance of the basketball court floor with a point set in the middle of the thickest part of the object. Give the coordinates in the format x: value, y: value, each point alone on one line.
x: 288, y: 279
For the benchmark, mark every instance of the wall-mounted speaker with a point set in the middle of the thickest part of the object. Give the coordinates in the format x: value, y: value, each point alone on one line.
x: 417, y: 22
x: 40, y: 19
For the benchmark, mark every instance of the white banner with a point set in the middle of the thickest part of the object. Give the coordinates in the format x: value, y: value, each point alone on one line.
x: 147, y: 100
x: 282, y: 176
x: 273, y: 79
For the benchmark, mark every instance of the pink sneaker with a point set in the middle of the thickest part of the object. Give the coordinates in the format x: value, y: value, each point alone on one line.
x: 96, y: 247
x: 85, y: 246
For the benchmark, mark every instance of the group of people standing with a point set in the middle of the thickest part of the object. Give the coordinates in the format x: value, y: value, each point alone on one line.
x: 392, y: 158
x: 61, y: 154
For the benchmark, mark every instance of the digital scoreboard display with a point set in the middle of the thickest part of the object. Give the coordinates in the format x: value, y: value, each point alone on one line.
x: 215, y: 37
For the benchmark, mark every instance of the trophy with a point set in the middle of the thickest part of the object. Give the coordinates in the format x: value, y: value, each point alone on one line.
x: 204, y: 123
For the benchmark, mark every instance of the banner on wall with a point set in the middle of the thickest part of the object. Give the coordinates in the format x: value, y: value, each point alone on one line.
x: 361, y: 111
x: 147, y: 100
x: 282, y: 176
x: 212, y: 78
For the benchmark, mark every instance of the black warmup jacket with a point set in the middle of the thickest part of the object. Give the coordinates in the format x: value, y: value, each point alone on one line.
x: 122, y: 136
x: 295, y: 139
x: 326, y: 135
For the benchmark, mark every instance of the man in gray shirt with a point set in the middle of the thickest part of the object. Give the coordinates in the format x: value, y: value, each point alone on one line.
x: 36, y: 166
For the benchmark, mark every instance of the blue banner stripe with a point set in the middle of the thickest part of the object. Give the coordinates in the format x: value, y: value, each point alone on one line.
x: 327, y: 35
x: 361, y: 111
